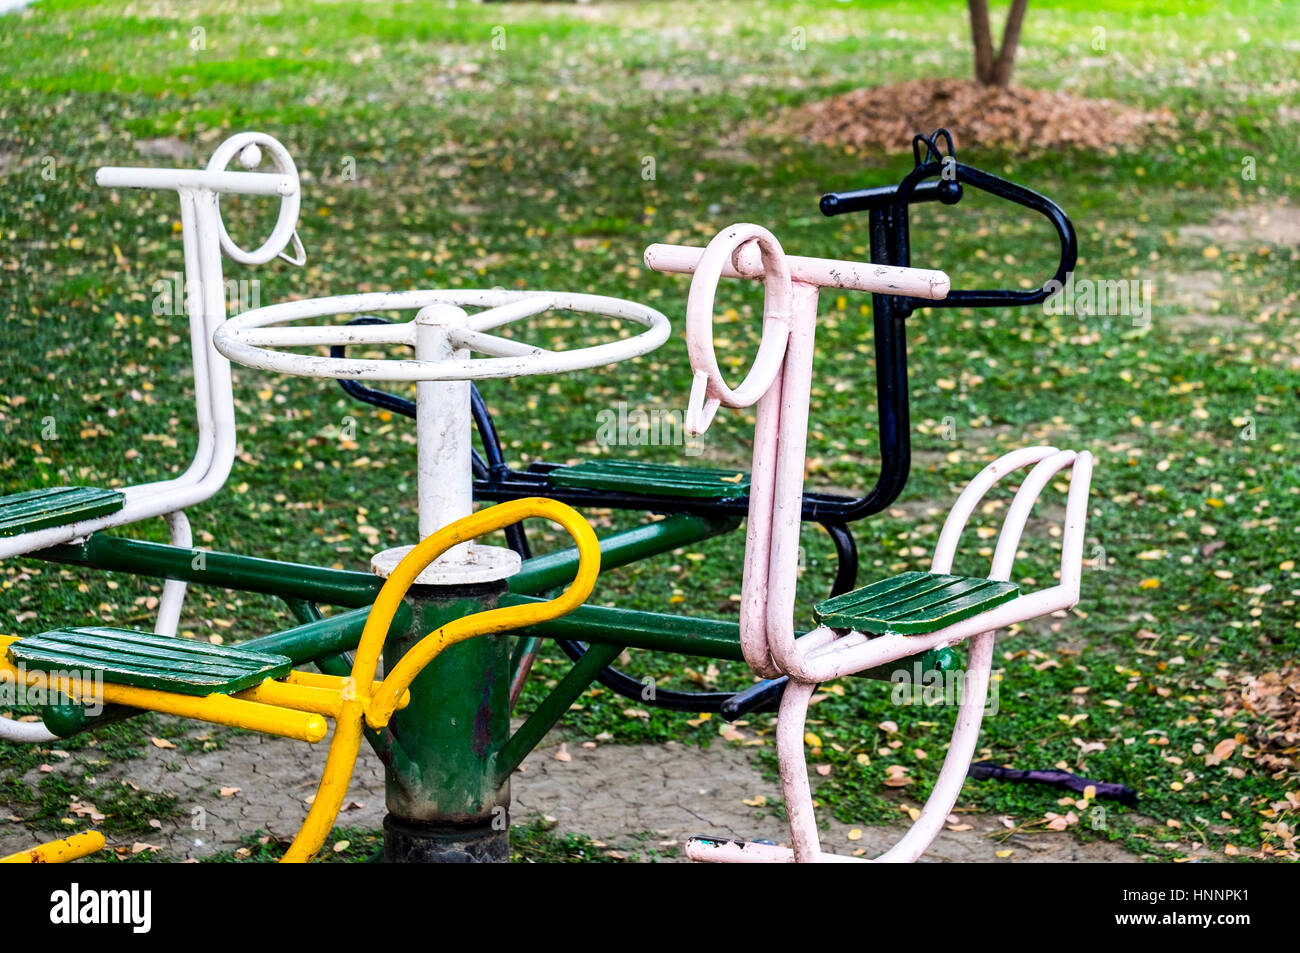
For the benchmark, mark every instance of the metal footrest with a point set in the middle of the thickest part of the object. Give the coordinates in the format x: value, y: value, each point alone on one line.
x: 127, y: 657
x: 652, y: 479
x: 55, y: 506
x: 913, y: 603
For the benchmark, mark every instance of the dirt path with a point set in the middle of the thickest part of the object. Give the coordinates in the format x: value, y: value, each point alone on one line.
x: 640, y: 799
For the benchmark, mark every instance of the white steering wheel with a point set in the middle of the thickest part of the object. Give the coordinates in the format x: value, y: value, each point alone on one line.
x: 252, y: 338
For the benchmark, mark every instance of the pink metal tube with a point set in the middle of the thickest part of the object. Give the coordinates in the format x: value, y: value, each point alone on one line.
x: 788, y: 471
x: 965, y: 735
x: 781, y: 383
x: 823, y: 272
x: 709, y: 390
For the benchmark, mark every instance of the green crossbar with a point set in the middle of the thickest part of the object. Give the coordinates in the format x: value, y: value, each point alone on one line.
x: 31, y: 510
x: 652, y: 479
x: 127, y: 657
x: 913, y: 603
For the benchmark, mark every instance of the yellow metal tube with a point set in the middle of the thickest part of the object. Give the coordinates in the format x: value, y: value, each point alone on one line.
x: 59, y: 851
x: 223, y: 710
x: 218, y: 709
x: 336, y: 683
x: 315, y: 679
x: 376, y: 702
x: 322, y: 701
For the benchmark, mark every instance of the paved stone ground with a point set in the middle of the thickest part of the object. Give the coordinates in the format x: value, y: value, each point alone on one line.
x: 640, y: 799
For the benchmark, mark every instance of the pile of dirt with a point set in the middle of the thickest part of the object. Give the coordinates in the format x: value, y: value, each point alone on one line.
x: 1020, y: 120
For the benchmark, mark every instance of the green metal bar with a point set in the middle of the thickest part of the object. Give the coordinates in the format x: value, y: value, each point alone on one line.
x: 707, y: 638
x: 680, y: 634
x: 330, y: 636
x: 342, y: 587
x: 337, y: 587
x: 552, y: 708
x: 303, y: 610
x: 619, y: 549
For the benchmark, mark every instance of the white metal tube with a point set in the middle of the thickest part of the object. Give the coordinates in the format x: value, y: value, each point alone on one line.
x: 233, y: 342
x: 25, y: 732
x: 513, y: 311
x: 204, y: 296
x: 173, y: 594
x: 325, y: 336
x: 444, y: 431
x: 231, y: 183
x: 493, y: 345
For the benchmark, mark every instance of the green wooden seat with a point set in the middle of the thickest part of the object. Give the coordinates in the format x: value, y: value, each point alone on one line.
x: 652, y: 479
x: 127, y: 657
x: 55, y: 506
x: 913, y: 603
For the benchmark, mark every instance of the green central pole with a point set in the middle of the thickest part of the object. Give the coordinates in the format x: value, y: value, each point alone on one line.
x: 449, y: 807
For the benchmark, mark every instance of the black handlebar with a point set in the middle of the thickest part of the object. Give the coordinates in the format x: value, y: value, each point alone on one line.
x: 948, y: 190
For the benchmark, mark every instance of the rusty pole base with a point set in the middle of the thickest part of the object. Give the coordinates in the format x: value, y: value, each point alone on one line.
x: 407, y: 842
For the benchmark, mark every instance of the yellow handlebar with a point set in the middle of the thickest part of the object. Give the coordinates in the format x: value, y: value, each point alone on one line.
x: 376, y: 707
x: 381, y: 706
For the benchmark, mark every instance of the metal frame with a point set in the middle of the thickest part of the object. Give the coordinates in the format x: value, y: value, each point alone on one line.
x: 441, y: 334
x: 890, y: 245
x: 780, y: 383
x: 204, y: 239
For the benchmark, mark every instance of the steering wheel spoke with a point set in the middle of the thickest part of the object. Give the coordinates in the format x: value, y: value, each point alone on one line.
x: 326, y: 336
x: 511, y: 312
x: 493, y: 345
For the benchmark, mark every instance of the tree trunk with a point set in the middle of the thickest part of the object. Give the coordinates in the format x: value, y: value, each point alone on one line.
x: 982, y: 36
x: 994, y: 69
x: 1010, y: 44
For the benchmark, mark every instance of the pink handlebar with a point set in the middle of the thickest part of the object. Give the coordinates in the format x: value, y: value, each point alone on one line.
x: 747, y: 262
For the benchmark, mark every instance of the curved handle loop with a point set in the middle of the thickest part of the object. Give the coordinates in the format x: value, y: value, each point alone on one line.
x: 913, y: 190
x: 1028, y: 198
x: 361, y: 705
x: 248, y: 147
x: 382, y: 705
x: 708, y: 389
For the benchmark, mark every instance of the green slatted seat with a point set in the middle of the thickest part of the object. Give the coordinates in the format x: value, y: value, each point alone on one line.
x: 55, y: 506
x: 127, y: 657
x: 913, y: 603
x: 655, y: 479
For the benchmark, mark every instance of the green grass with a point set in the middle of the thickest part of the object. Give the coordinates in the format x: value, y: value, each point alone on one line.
x: 522, y: 167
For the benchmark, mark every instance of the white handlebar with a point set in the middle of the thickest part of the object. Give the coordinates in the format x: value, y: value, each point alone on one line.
x: 247, y: 146
x: 230, y: 183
